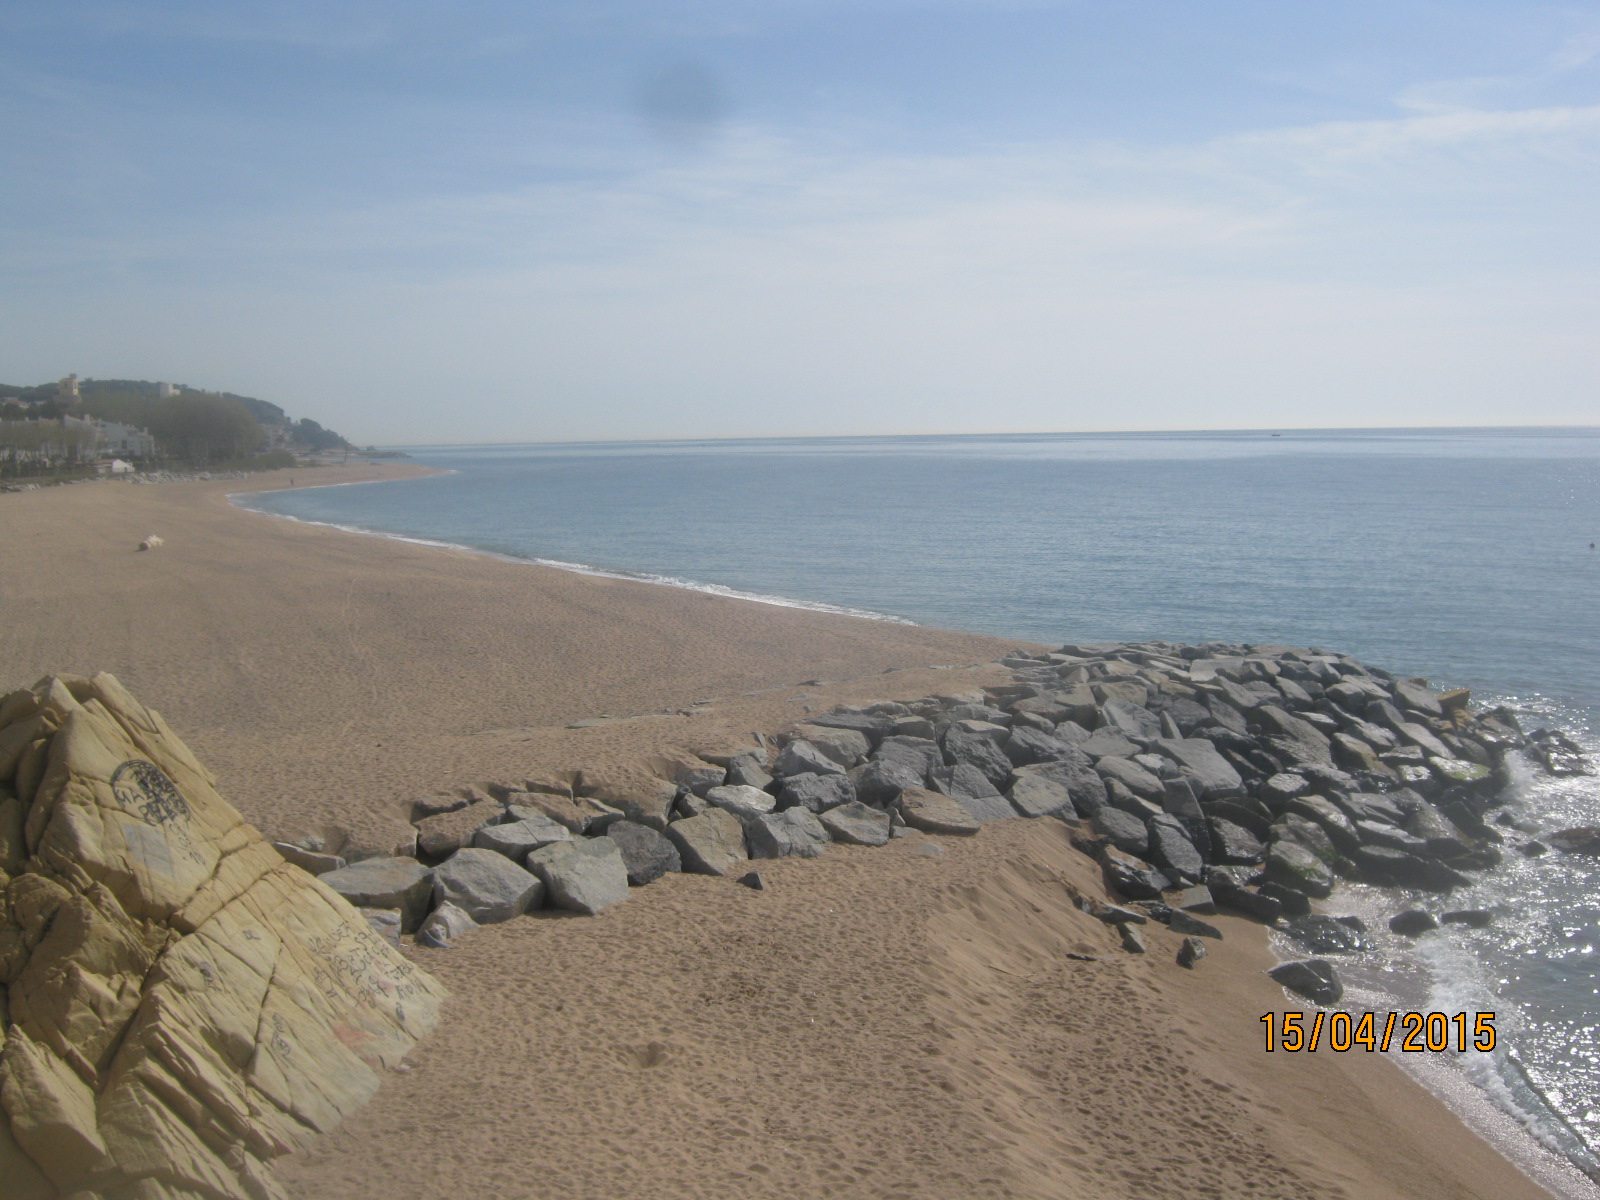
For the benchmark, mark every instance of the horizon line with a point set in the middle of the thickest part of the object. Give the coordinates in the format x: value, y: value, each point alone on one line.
x: 1266, y: 430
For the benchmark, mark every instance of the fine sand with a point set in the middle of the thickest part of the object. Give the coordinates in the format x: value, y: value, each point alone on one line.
x: 897, y: 1022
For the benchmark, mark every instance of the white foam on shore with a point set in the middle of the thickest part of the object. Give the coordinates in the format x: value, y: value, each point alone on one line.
x: 239, y: 500
x: 1494, y: 1094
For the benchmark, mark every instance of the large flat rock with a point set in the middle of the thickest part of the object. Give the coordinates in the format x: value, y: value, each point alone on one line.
x: 182, y: 1004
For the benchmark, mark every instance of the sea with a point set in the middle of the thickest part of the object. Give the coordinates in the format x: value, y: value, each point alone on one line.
x: 1464, y: 556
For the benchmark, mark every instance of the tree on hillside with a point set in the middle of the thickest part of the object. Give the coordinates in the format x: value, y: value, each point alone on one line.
x: 308, y: 433
x: 203, y: 429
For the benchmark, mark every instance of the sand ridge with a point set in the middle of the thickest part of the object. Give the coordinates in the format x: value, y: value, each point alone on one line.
x: 883, y: 1022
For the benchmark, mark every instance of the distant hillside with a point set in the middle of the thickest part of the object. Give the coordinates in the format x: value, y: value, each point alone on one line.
x: 139, y: 402
x: 263, y: 411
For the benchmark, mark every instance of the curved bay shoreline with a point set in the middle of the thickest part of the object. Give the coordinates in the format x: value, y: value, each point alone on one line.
x: 915, y: 1014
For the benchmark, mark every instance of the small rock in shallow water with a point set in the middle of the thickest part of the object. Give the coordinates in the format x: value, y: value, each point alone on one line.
x: 1313, y: 978
x: 1412, y: 922
x: 1327, y: 935
x: 1294, y: 903
x: 1473, y: 918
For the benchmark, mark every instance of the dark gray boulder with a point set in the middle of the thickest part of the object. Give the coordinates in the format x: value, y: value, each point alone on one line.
x: 873, y: 727
x: 647, y: 855
x: 882, y: 780
x: 1412, y: 922
x: 486, y: 885
x: 1108, y: 743
x: 1232, y: 843
x: 1132, y: 776
x: 1244, y: 900
x: 1396, y: 868
x: 1414, y: 694
x: 961, y: 781
x: 1293, y: 866
x: 1171, y: 849
x: 700, y: 778
x: 1341, y: 832
x: 792, y: 833
x: 1291, y: 738
x: 1075, y: 773
x: 1226, y: 715
x: 800, y: 757
x: 1472, y: 918
x: 1326, y: 935
x: 743, y: 802
x: 516, y: 839
x: 1308, y: 834
x: 819, y: 792
x: 1126, y: 831
x: 1215, y: 776
x: 1130, y: 718
x: 1041, y: 796
x: 921, y: 754
x: 1024, y: 746
x: 1293, y: 901
x: 1313, y: 978
x: 1188, y: 715
x: 1185, y: 922
x: 1381, y: 833
x: 1131, y: 876
x: 976, y: 750
x: 398, y: 883
x: 1279, y: 789
x: 750, y: 770
x: 1247, y: 814
x: 586, y: 875
x: 856, y: 824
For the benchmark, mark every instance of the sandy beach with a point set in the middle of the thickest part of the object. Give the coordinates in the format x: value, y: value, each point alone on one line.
x: 899, y: 1022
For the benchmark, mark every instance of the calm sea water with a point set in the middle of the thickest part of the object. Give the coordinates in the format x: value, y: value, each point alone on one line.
x: 1460, y: 555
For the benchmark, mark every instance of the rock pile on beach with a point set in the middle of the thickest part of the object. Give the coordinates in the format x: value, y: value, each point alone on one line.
x: 178, y: 1005
x: 1246, y: 778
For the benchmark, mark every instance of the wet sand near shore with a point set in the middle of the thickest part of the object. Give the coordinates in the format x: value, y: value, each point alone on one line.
x: 900, y: 1022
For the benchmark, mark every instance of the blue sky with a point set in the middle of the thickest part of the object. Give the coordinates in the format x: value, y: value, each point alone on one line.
x: 492, y: 221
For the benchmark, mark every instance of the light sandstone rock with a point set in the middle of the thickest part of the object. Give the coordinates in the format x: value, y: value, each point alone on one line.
x: 182, y: 1004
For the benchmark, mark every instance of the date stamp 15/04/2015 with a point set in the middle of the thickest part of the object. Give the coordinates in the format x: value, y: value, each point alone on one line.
x: 1410, y: 1032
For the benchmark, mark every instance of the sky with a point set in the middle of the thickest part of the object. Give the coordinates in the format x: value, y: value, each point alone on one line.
x: 423, y: 222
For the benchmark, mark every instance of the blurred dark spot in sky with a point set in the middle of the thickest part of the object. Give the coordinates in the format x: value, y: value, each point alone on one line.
x: 681, y: 103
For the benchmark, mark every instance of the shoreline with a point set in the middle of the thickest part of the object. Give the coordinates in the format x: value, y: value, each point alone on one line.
x: 710, y: 589
x: 254, y: 642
